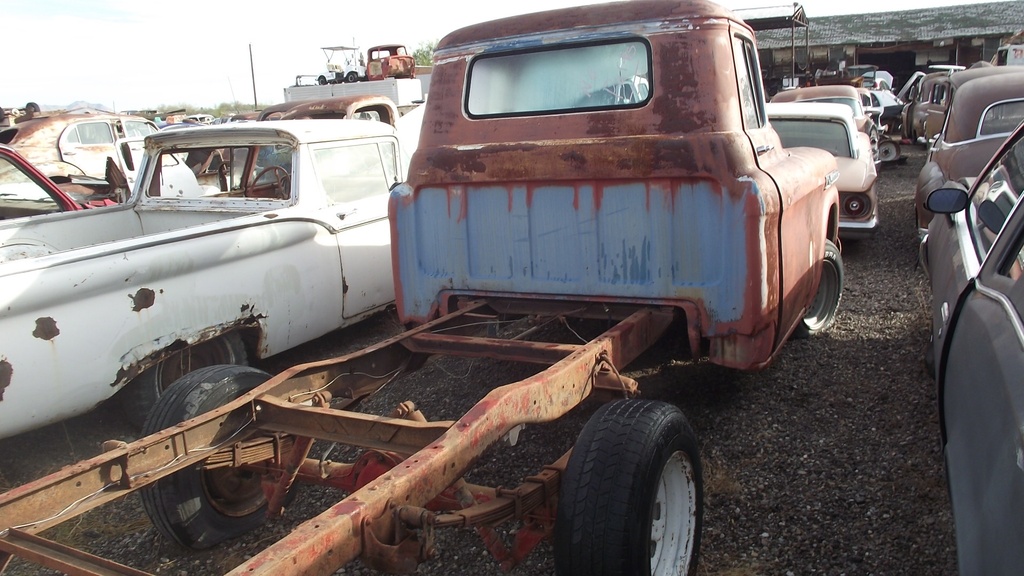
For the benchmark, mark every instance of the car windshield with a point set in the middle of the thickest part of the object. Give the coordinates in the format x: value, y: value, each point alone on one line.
x: 613, y: 75
x: 20, y: 195
x: 823, y: 134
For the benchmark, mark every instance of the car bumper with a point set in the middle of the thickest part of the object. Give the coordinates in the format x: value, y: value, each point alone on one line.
x: 861, y: 230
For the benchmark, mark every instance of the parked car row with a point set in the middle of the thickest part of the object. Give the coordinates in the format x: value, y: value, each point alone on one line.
x: 972, y: 248
x: 983, y: 106
x: 73, y: 144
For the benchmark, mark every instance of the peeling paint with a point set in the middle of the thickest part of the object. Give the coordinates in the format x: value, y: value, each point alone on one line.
x: 142, y: 299
x: 6, y: 371
x: 46, y: 328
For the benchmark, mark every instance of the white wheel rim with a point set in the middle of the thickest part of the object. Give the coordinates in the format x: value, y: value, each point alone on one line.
x: 674, y: 517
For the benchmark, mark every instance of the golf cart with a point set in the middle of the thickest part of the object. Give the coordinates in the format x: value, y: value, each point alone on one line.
x: 344, y: 64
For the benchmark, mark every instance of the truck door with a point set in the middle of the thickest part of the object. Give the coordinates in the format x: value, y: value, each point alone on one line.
x: 357, y: 179
x: 781, y: 189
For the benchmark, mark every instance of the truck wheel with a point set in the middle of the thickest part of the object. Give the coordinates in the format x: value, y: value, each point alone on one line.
x: 139, y: 396
x: 822, y: 313
x: 195, y: 507
x: 631, y: 499
x: 351, y: 77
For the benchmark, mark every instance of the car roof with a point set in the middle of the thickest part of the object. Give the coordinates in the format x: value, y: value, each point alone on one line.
x: 811, y: 92
x: 45, y: 129
x: 297, y: 131
x: 973, y: 98
x: 809, y: 109
x: 812, y: 111
x: 960, y: 78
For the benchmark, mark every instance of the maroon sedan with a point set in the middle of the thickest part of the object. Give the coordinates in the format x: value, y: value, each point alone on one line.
x: 983, y: 110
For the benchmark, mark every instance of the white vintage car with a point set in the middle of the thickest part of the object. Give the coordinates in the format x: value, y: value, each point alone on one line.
x: 832, y: 127
x: 239, y: 241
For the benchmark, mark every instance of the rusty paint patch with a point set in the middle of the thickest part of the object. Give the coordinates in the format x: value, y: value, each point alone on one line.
x: 142, y: 299
x: 46, y: 328
x: 6, y: 371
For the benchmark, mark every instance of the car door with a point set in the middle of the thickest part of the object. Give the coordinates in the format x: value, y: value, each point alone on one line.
x: 357, y: 178
x: 981, y: 387
x: 87, y: 145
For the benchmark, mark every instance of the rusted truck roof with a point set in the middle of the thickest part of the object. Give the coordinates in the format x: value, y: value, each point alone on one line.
x: 333, y: 108
x: 577, y: 20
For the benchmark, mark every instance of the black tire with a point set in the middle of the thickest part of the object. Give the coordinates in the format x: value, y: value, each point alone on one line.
x: 322, y: 80
x: 140, y: 395
x: 611, y: 517
x: 351, y: 77
x: 194, y: 507
x: 888, y: 151
x: 822, y: 312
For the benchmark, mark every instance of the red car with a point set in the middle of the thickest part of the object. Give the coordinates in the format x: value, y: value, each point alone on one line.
x: 25, y: 191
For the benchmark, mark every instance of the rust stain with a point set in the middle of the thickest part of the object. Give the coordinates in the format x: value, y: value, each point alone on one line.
x: 6, y: 371
x: 142, y: 299
x: 46, y: 328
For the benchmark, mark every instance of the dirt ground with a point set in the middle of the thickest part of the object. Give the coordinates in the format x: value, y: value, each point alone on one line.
x: 827, y: 462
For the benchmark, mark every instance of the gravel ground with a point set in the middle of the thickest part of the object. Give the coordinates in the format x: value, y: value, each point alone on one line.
x: 827, y: 462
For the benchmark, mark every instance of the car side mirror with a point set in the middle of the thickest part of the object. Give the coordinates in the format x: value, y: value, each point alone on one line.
x: 991, y: 216
x: 949, y: 199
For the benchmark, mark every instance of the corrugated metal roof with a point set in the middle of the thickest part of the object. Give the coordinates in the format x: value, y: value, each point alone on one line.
x: 921, y: 25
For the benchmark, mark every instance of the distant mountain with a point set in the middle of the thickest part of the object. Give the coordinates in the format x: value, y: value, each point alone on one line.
x: 73, y: 105
x: 82, y: 104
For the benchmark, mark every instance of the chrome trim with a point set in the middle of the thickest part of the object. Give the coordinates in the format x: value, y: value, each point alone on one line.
x: 968, y: 250
x: 1007, y: 306
x: 831, y: 178
x: 922, y: 256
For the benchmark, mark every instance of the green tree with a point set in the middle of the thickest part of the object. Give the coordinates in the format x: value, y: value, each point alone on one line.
x: 424, y: 55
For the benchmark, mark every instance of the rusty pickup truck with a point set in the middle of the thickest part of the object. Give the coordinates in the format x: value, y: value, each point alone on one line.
x: 587, y: 180
x: 239, y: 241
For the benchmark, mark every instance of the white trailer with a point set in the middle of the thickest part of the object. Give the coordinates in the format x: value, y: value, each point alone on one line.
x: 404, y: 91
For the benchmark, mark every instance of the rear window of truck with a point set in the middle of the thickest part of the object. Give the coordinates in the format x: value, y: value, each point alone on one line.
x: 561, y: 79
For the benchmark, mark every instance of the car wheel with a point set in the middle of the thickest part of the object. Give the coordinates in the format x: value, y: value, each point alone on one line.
x: 195, y: 507
x: 631, y: 499
x: 822, y: 312
x: 888, y: 150
x: 351, y: 77
x: 140, y: 395
x: 321, y: 80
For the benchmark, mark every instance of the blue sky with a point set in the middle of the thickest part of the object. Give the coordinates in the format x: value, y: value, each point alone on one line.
x: 128, y: 54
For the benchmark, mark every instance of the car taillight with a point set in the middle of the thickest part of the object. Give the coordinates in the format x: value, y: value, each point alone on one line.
x: 855, y: 205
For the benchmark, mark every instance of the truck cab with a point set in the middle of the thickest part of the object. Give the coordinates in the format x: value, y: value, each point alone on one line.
x: 591, y: 156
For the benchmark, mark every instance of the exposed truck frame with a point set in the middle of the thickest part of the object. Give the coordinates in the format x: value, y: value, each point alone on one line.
x: 667, y: 206
x: 267, y: 430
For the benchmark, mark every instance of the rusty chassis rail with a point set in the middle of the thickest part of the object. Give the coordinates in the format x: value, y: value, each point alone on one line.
x: 407, y: 482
